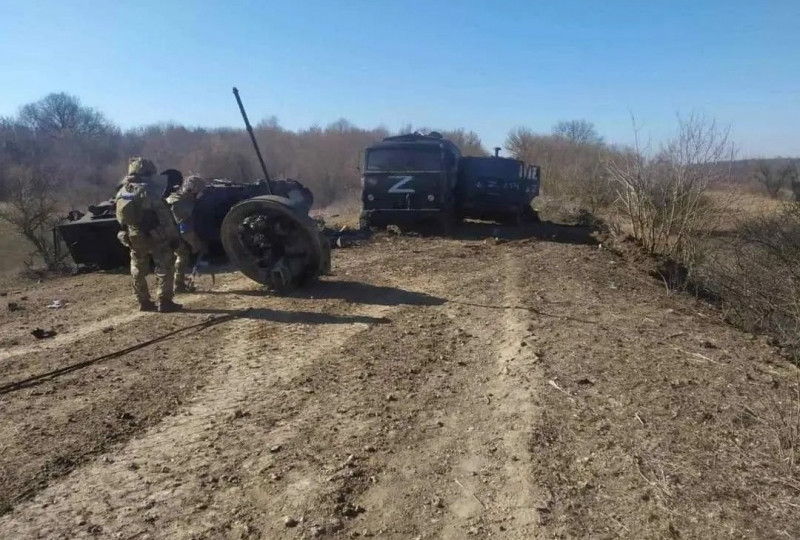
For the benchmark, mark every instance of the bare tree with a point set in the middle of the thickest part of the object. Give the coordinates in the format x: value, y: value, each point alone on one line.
x: 664, y: 197
x: 577, y: 131
x: 32, y: 208
x: 789, y: 177
x: 766, y: 174
x: 468, y: 141
x: 60, y: 114
x: 521, y: 143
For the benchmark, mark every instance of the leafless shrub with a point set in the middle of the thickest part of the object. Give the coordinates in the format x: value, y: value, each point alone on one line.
x: 664, y: 197
x: 791, y: 178
x: 32, y: 209
x: 766, y: 174
x: 572, y: 172
x: 757, y: 274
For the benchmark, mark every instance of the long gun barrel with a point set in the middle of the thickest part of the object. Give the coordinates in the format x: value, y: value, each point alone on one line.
x: 252, y: 138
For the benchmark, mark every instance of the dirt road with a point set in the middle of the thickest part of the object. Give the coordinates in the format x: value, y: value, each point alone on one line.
x: 430, y: 388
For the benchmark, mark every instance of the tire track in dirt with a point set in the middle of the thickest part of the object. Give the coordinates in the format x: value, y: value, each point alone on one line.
x: 511, y: 397
x: 496, y: 492
x: 103, y: 320
x: 445, y: 454
x: 148, y: 475
x: 209, y: 424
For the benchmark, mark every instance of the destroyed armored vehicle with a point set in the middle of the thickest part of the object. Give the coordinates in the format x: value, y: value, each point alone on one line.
x: 496, y: 189
x: 262, y: 228
x: 91, y: 238
x: 409, y: 180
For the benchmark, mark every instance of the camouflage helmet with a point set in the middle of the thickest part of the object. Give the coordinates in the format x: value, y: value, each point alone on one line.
x: 139, y: 166
x: 193, y: 184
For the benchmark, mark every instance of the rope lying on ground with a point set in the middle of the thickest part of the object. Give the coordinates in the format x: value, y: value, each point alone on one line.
x: 38, y: 379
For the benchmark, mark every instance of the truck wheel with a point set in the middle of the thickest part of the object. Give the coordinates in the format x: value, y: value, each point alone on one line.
x: 530, y: 215
x: 265, y: 237
x: 448, y: 223
x: 515, y: 218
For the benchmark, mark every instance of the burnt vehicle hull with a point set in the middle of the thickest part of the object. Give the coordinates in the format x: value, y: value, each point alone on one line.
x: 92, y: 238
x: 92, y: 242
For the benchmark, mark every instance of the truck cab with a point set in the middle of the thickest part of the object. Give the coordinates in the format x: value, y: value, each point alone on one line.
x: 409, y: 179
x: 497, y: 189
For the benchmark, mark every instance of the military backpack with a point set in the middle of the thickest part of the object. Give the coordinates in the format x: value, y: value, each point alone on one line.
x: 134, y: 207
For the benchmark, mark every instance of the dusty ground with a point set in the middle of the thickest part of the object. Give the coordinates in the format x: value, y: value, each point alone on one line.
x: 430, y: 388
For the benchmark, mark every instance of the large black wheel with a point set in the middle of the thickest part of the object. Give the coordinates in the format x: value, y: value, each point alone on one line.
x: 263, y: 235
x: 530, y: 215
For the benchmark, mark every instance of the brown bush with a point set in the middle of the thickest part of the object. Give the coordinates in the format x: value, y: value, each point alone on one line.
x: 663, y: 198
x: 757, y: 276
x: 572, y: 172
x: 32, y: 208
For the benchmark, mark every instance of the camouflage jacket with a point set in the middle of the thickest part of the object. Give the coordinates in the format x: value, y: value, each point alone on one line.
x: 182, y: 205
x: 164, y: 229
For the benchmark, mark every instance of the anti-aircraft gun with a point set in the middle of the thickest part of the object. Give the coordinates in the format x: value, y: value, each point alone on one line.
x: 263, y: 228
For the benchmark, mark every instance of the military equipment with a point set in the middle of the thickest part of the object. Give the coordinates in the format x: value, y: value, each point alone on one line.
x: 262, y: 228
x: 496, y: 189
x: 409, y: 180
x: 252, y: 136
x: 413, y: 178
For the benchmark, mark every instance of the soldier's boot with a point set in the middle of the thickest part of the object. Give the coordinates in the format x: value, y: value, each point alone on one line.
x: 147, y: 305
x: 180, y: 285
x: 168, y: 306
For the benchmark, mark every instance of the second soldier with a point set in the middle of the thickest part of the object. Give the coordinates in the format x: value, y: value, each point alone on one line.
x: 182, y: 202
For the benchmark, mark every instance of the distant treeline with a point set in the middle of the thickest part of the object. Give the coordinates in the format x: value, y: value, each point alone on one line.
x: 82, y: 154
x: 73, y: 150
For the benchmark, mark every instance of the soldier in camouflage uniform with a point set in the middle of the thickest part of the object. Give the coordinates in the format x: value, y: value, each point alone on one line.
x: 149, y: 231
x: 182, y: 203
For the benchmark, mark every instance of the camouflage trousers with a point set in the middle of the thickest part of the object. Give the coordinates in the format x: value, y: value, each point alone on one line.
x: 191, y: 243
x: 183, y: 258
x: 142, y: 249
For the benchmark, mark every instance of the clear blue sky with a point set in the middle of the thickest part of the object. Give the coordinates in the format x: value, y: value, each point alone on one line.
x: 482, y: 65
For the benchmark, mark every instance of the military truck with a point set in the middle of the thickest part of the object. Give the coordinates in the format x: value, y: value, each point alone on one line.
x: 496, y: 189
x: 409, y: 180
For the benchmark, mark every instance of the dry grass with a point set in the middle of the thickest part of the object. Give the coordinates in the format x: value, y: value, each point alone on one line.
x: 744, y: 204
x: 340, y: 214
x: 14, y: 248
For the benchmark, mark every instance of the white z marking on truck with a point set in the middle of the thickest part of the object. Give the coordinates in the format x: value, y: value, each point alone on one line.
x: 398, y: 187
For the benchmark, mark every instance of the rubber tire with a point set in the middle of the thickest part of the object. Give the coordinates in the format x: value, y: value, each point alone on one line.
x: 245, y: 262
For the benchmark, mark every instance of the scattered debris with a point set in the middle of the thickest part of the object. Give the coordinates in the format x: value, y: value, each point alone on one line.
x: 39, y: 333
x: 352, y: 510
x: 468, y: 492
x: 56, y: 304
x: 555, y: 385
